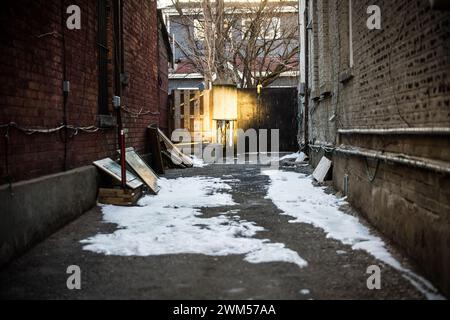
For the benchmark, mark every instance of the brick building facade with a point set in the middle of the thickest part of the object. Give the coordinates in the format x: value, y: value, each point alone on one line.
x: 39, y: 52
x: 166, y: 59
x: 377, y: 102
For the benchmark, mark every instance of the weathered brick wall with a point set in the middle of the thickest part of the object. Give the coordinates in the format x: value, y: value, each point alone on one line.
x: 31, y: 75
x: 141, y: 63
x: 402, y: 71
x: 323, y: 29
x: 163, y: 83
x: 400, y: 78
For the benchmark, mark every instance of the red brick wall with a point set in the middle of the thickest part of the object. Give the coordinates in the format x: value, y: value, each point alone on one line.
x: 31, y: 75
x: 141, y: 64
x: 163, y: 83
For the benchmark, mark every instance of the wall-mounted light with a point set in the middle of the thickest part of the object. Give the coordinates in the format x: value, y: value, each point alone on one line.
x: 259, y: 88
x: 225, y: 102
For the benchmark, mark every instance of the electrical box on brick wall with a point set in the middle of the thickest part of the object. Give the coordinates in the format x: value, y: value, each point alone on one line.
x: 106, y: 121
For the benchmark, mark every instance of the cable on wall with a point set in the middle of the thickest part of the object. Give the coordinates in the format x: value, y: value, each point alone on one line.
x: 75, y: 130
x: 371, y: 176
x: 141, y: 112
x: 66, y: 88
x: 8, y: 176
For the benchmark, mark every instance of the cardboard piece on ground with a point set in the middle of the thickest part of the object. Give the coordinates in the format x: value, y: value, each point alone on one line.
x: 142, y: 170
x: 113, y: 169
x: 187, y: 161
x: 322, y: 169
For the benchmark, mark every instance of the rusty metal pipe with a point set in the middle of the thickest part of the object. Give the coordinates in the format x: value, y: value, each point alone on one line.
x: 417, y: 162
x: 122, y: 160
x: 397, y: 131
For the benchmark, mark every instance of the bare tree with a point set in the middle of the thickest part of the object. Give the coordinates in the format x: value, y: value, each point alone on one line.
x: 244, y: 42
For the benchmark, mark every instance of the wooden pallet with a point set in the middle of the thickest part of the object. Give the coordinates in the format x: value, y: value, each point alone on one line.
x: 119, y: 197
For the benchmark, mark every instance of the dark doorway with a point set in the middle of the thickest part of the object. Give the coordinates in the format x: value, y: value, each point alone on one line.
x: 273, y: 108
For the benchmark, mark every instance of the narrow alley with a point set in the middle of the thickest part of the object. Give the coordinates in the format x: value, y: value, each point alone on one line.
x: 219, y: 232
x: 202, y: 151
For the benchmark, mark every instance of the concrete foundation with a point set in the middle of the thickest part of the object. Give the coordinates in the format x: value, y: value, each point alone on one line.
x: 32, y: 210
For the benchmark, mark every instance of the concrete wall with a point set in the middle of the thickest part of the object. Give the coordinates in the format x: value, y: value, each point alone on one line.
x: 410, y: 206
x: 399, y: 78
x: 32, y: 210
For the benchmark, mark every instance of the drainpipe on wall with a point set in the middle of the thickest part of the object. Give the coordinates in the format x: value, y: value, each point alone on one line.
x: 158, y: 66
x: 118, y: 71
x: 304, y: 30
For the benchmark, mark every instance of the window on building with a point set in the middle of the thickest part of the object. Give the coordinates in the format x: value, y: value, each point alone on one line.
x: 271, y: 29
x: 228, y: 28
x: 323, y: 29
x: 199, y: 30
x: 345, y: 31
x: 246, y: 25
x: 313, y: 45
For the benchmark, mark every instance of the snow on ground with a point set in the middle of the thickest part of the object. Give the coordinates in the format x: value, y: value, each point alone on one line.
x: 305, y: 291
x: 299, y: 156
x: 198, y: 163
x: 172, y: 223
x: 295, y: 195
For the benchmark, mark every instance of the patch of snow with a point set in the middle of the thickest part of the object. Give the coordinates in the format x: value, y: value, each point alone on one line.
x: 236, y: 290
x: 341, y: 252
x: 172, y: 223
x: 275, y: 252
x: 305, y: 292
x: 198, y: 163
x: 299, y: 156
x: 295, y: 195
x: 301, y: 159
